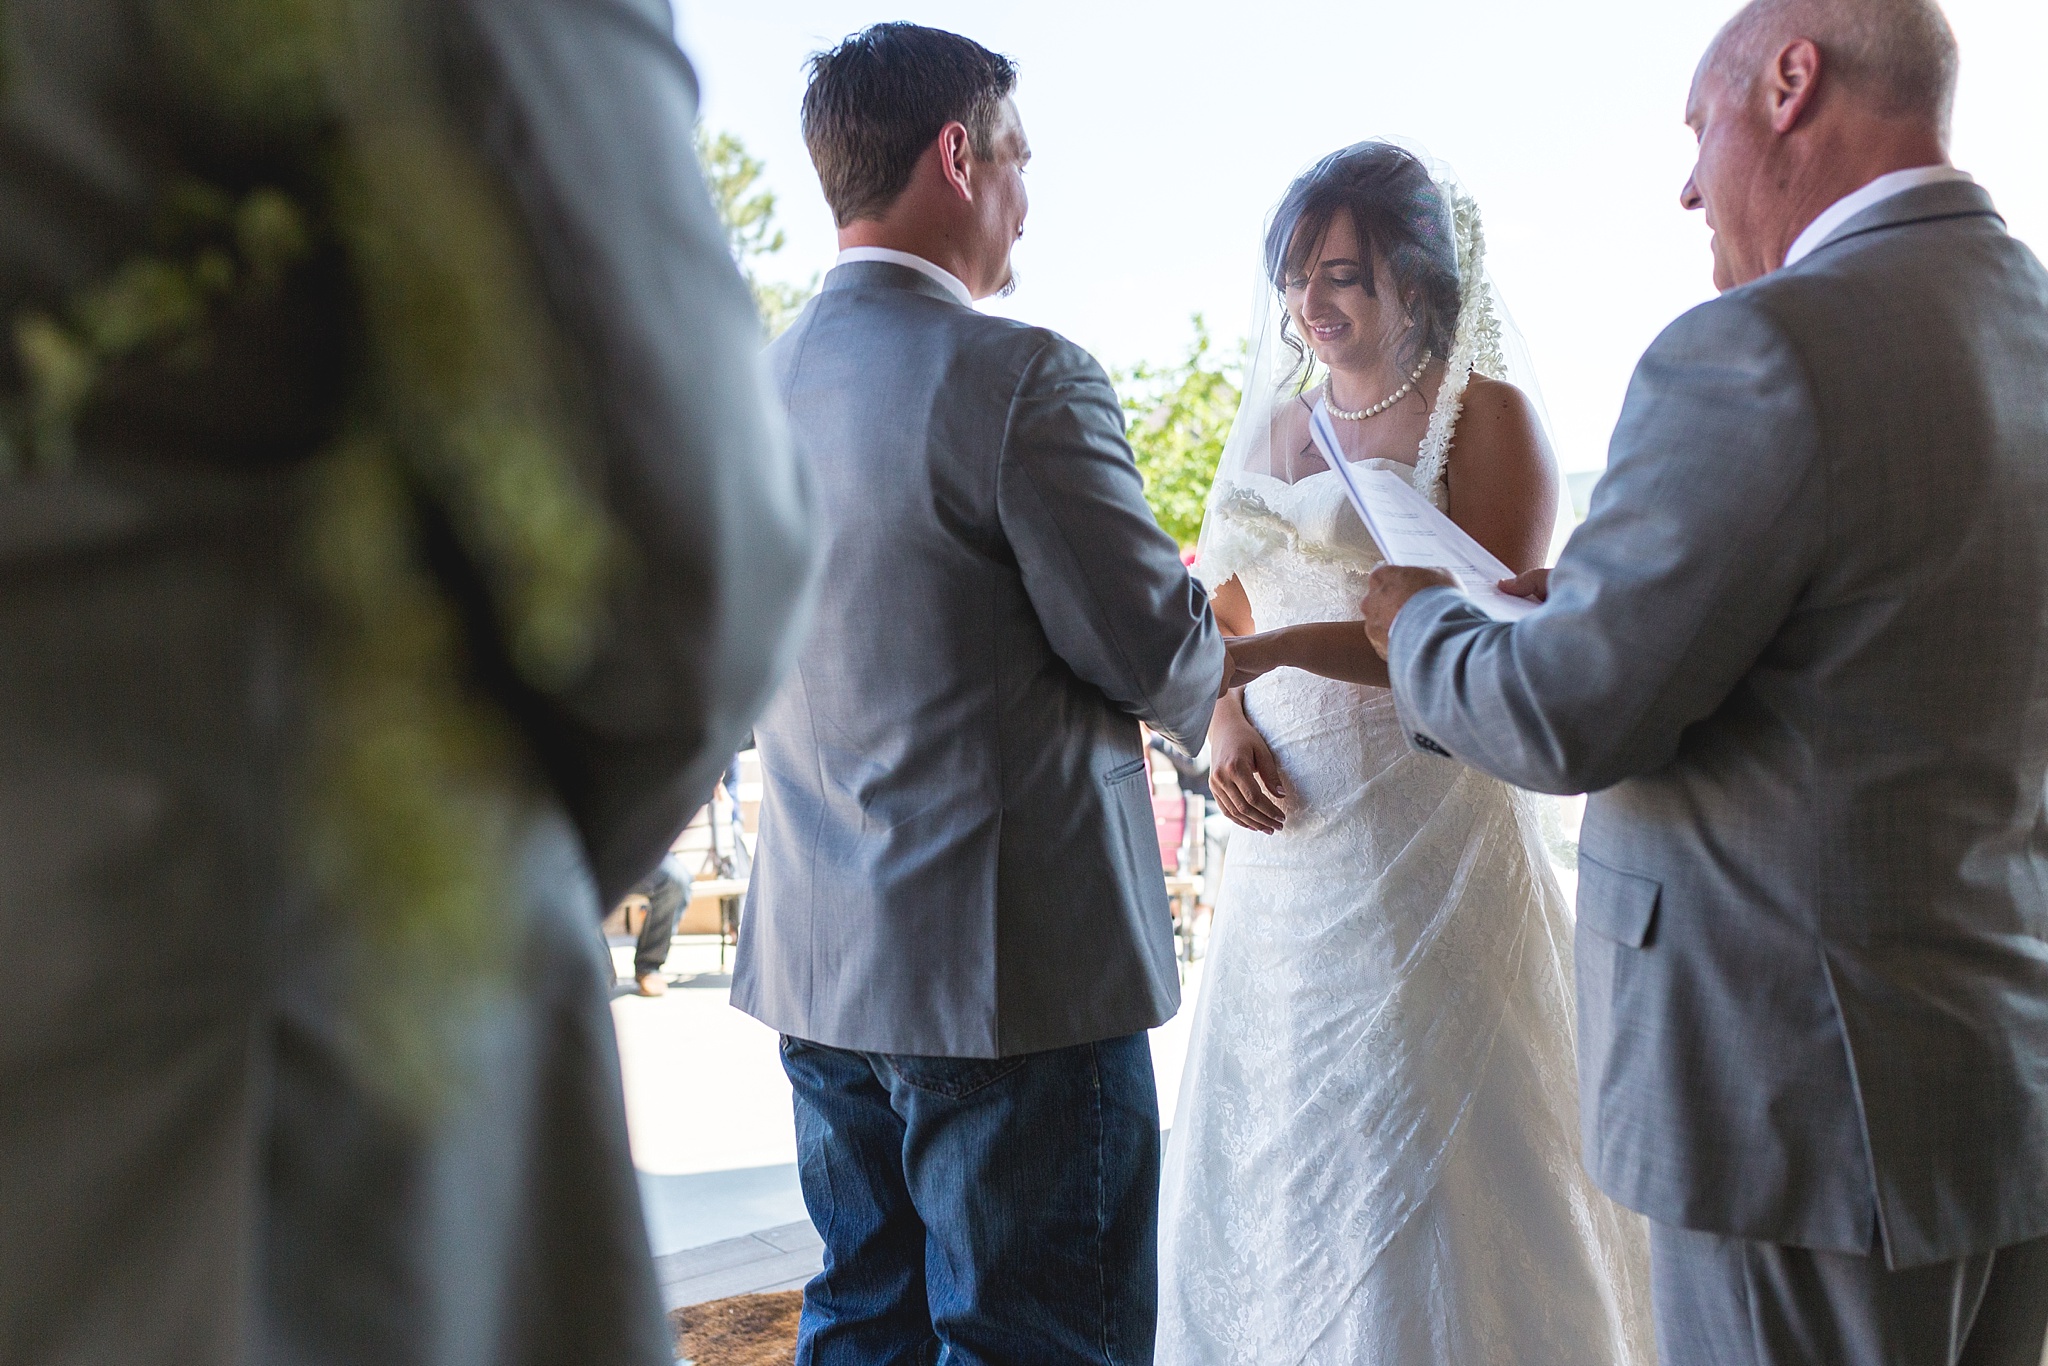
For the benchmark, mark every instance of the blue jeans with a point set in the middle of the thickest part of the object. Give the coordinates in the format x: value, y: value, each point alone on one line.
x: 980, y: 1211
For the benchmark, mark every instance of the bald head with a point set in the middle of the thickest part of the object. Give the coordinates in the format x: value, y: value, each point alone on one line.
x: 1801, y: 102
x: 1897, y: 55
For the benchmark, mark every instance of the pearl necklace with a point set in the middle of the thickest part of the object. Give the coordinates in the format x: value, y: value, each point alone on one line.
x: 1389, y: 401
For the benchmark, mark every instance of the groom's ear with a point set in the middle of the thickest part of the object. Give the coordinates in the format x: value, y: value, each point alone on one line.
x: 1792, y: 83
x: 955, y: 149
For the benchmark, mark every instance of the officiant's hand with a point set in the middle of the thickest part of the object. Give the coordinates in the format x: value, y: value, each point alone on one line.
x: 1388, y: 592
x: 1534, y: 584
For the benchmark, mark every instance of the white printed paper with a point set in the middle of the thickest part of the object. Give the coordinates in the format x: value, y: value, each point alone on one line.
x: 1410, y: 530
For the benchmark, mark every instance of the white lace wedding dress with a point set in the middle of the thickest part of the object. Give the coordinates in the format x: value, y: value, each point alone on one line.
x: 1375, y: 1156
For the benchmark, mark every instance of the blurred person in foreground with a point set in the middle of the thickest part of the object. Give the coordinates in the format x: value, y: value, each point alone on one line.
x: 1798, y: 652
x: 957, y: 919
x: 381, y: 420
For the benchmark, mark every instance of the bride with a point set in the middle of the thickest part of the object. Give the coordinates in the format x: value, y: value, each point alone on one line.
x: 1375, y: 1154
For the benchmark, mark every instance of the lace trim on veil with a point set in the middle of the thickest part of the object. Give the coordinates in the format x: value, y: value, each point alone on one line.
x: 1477, y: 346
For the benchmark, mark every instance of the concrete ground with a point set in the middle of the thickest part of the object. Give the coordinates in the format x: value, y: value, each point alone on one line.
x: 708, y: 1106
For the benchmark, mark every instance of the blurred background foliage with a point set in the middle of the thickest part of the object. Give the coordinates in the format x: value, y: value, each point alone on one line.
x: 1178, y: 418
x: 1178, y: 415
x: 747, y: 209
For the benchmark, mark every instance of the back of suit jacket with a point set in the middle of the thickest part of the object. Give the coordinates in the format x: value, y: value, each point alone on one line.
x: 1802, y: 645
x: 957, y: 853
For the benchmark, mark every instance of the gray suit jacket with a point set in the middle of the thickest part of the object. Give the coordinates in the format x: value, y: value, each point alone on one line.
x: 957, y: 853
x: 1799, y: 653
x: 189, y: 1169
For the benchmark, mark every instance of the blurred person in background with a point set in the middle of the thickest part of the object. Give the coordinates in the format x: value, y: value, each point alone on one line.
x: 395, y: 542
x: 667, y: 890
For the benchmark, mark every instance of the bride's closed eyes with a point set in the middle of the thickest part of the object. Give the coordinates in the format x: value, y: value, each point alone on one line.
x: 1339, y: 274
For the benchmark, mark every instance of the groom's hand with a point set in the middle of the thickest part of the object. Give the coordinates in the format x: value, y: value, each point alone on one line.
x: 1246, y: 658
x: 1388, y: 592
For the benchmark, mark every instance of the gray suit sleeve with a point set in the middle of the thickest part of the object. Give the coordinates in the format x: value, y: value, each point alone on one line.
x: 587, y: 109
x: 1703, y: 534
x: 1108, y: 585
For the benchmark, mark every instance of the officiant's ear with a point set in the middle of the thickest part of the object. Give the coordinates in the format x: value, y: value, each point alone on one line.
x: 1791, y: 84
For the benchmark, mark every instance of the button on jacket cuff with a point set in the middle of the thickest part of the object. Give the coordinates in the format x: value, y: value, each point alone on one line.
x: 1417, y: 617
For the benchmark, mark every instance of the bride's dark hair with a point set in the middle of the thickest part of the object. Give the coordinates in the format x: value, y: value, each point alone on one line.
x: 1400, y: 214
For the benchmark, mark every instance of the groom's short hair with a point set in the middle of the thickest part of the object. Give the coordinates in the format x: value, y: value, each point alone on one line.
x: 1900, y: 53
x: 877, y: 100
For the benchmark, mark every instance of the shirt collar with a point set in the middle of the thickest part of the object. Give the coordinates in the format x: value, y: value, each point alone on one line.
x: 1856, y: 201
x: 952, y: 282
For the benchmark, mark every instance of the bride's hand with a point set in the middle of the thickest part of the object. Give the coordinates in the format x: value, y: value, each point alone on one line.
x: 1244, y: 777
x: 1246, y: 659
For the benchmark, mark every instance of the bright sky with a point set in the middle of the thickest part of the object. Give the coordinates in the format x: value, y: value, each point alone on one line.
x: 1163, y: 131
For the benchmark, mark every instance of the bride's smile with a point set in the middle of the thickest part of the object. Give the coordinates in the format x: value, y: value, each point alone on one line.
x: 1352, y: 319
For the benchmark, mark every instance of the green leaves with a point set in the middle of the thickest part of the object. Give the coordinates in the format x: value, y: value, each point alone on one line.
x: 149, y: 300
x: 413, y: 816
x: 748, y: 213
x: 464, y: 385
x: 213, y: 252
x: 272, y: 234
x: 1179, y: 417
x: 261, y: 65
x: 59, y: 372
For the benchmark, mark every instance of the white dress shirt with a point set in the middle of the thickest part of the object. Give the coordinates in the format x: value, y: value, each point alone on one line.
x: 952, y: 282
x: 1856, y: 201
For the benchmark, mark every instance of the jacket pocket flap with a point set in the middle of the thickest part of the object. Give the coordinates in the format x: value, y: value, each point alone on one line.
x: 1124, y: 772
x: 1617, y: 905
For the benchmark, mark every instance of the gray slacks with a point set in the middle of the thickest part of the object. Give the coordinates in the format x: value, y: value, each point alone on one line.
x: 1724, y: 1301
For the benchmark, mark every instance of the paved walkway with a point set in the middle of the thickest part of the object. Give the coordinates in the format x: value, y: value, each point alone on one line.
x: 773, y: 1259
x: 708, y: 1109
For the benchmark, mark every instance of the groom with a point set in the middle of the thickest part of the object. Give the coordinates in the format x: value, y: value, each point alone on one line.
x: 1799, y: 652
x: 957, y: 919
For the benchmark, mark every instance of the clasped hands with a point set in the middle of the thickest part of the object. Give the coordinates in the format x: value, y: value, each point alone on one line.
x: 1311, y: 647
